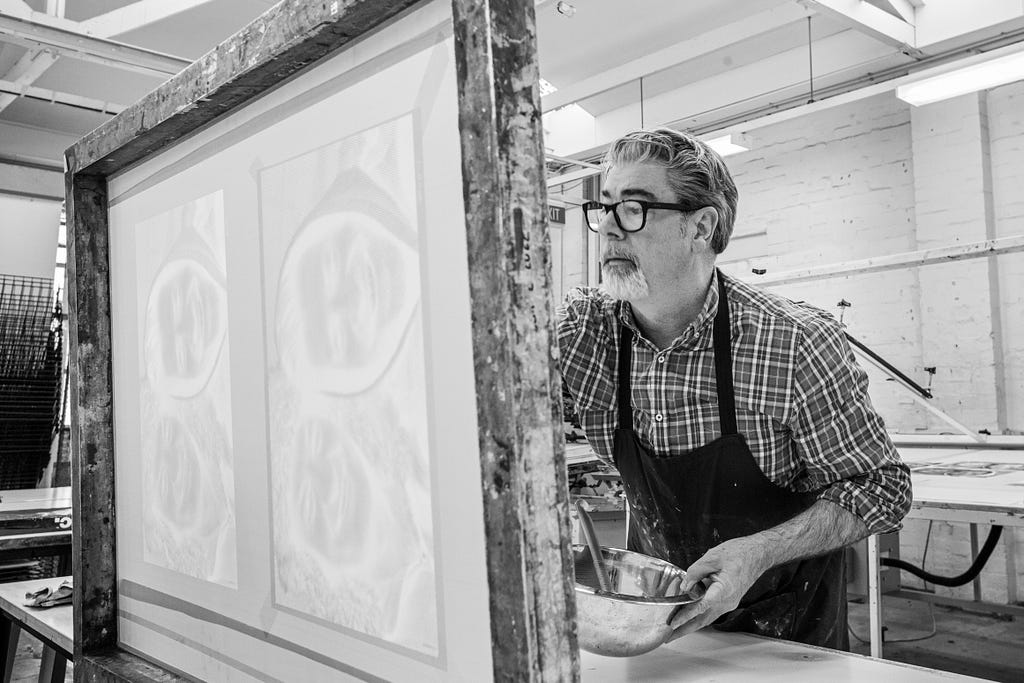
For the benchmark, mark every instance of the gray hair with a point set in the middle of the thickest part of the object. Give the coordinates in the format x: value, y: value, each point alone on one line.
x: 696, y: 172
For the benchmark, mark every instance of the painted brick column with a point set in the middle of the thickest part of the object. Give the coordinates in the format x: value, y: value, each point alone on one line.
x: 953, y: 205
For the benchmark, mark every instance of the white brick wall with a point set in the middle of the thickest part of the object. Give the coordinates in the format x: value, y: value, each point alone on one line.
x: 878, y: 177
x: 834, y: 187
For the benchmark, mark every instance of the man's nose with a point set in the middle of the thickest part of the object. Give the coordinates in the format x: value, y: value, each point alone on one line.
x: 609, y: 227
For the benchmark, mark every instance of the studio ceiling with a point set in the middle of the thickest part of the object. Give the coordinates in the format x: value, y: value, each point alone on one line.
x: 66, y: 66
x: 72, y: 64
x: 705, y: 65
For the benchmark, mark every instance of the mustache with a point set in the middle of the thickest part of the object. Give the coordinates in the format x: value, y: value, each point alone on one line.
x: 608, y: 255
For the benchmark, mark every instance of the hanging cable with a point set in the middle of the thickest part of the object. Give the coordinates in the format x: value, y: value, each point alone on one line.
x: 810, y: 60
x: 641, y: 101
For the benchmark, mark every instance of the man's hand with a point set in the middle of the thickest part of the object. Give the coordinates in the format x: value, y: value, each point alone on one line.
x: 731, y: 568
x: 728, y: 570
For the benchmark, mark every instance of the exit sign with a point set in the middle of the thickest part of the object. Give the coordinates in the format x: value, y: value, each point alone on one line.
x: 556, y: 214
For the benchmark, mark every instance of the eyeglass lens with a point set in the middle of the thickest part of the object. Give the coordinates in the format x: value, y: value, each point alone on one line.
x: 630, y: 214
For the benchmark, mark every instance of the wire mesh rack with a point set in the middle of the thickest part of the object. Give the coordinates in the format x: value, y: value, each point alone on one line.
x: 31, y: 363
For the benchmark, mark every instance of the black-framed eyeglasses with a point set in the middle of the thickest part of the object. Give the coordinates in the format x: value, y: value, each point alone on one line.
x: 630, y: 214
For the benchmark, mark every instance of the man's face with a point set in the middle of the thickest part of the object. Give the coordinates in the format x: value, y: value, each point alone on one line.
x: 635, y: 265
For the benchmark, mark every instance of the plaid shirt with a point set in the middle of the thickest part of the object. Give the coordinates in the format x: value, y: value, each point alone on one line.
x: 801, y: 399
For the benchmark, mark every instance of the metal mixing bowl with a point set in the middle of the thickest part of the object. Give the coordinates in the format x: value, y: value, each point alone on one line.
x: 632, y: 617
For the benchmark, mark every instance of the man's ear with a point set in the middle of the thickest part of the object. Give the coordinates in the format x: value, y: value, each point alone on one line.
x: 706, y: 221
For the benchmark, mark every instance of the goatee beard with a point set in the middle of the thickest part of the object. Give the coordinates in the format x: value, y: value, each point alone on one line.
x: 625, y: 283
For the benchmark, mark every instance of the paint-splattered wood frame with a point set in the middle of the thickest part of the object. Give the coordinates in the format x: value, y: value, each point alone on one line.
x: 523, y: 474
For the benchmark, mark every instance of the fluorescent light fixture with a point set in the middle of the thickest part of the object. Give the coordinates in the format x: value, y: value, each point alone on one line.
x: 546, y: 88
x: 980, y: 76
x: 729, y: 144
x: 568, y: 130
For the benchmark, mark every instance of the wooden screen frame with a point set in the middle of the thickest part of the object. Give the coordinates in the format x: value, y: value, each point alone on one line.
x: 525, y: 496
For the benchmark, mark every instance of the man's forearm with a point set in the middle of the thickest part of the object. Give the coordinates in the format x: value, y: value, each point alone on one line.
x: 822, y: 527
x: 731, y: 568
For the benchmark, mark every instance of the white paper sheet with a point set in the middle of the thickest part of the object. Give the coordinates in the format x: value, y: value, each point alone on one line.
x: 185, y: 392
x: 346, y: 388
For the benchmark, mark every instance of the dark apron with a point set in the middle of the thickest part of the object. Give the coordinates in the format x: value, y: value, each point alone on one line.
x: 683, y: 505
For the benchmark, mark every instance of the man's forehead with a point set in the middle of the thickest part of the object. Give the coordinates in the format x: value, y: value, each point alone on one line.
x: 645, y: 178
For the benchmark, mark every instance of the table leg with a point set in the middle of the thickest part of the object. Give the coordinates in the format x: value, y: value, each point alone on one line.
x: 874, y: 597
x: 974, y: 553
x: 64, y: 566
x: 1010, y: 545
x: 52, y: 666
x: 9, y: 633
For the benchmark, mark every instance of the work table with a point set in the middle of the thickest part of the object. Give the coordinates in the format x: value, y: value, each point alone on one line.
x: 741, y: 658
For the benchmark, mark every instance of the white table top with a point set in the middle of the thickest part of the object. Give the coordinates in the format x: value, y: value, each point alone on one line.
x: 742, y: 658
x: 55, y: 624
x: 972, y: 479
x: 17, y: 500
x: 957, y: 482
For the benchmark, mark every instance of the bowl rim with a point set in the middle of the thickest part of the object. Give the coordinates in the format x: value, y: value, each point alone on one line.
x: 695, y: 594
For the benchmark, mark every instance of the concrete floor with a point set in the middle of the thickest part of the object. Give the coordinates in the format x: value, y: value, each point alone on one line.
x: 26, y: 662
x: 981, y: 645
x: 978, y: 645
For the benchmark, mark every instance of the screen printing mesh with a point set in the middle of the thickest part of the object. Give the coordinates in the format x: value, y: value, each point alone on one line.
x: 297, y: 465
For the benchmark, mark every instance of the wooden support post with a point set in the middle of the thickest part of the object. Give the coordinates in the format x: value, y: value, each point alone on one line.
x: 519, y: 419
x: 92, y: 428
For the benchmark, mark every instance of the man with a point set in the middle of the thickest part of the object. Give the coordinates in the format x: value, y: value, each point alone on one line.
x: 738, y: 420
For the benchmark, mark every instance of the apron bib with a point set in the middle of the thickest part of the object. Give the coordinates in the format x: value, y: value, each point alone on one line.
x: 683, y: 505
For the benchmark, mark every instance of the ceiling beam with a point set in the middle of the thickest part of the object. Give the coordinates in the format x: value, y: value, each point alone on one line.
x: 137, y: 15
x: 32, y: 146
x: 572, y: 176
x: 25, y: 71
x: 663, y: 59
x: 56, y: 97
x: 869, y: 20
x: 31, y: 181
x: 34, y: 63
x: 37, y: 30
x: 904, y: 9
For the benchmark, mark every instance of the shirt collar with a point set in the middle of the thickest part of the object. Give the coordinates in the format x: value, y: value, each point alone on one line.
x: 695, y: 329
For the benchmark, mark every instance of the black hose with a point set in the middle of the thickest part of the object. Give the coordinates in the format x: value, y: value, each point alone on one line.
x: 952, y: 581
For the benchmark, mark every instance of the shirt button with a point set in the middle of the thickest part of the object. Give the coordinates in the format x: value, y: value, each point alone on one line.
x: 661, y: 359
x: 659, y: 417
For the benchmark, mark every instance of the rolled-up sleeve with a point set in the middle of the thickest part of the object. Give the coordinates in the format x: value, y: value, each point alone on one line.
x: 839, y: 436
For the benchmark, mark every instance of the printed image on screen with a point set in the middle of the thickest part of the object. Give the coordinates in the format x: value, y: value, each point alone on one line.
x: 188, y: 518
x: 353, y: 536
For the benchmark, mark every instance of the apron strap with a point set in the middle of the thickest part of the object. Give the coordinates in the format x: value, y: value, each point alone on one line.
x: 625, y: 366
x: 723, y: 363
